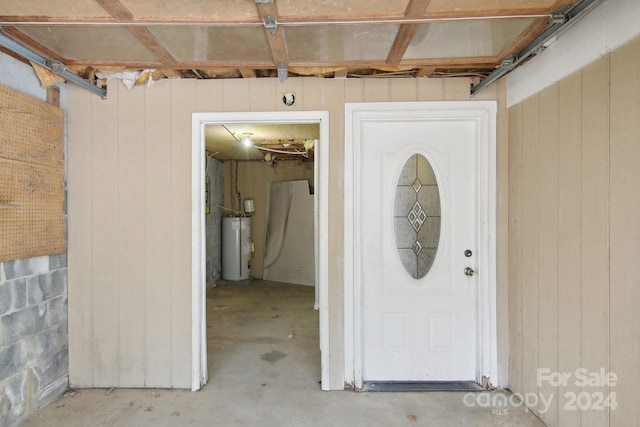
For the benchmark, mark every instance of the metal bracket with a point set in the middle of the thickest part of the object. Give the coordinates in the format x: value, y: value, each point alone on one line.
x: 507, y: 62
x: 271, y: 24
x: 55, y: 66
x: 559, y: 18
x: 263, y: 1
x: 282, y: 71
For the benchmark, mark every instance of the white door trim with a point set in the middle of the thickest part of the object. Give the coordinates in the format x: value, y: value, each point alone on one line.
x: 483, y: 114
x: 321, y: 201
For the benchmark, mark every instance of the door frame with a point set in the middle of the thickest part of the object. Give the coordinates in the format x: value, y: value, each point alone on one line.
x: 483, y: 115
x: 199, y: 372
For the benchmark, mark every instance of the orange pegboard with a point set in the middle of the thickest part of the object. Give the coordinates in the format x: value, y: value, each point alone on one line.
x: 31, y: 177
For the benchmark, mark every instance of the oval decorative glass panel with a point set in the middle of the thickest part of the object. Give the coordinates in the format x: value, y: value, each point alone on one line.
x: 416, y: 216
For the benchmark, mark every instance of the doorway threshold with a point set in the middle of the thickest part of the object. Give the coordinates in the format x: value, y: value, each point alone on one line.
x: 389, y: 386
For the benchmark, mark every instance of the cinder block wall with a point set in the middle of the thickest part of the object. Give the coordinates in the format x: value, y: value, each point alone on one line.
x: 34, y: 357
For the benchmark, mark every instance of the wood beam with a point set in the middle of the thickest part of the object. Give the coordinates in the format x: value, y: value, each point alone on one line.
x: 247, y: 73
x: 341, y: 74
x: 277, y: 41
x: 415, y: 9
x: 527, y: 36
x: 426, y: 72
x: 53, y: 96
x: 153, y: 44
x: 170, y: 73
x: 222, y: 19
x: 116, y: 9
x: 27, y: 41
x: 14, y: 55
x: 120, y: 12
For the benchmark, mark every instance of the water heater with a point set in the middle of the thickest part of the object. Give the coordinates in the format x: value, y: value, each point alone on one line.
x: 237, y: 248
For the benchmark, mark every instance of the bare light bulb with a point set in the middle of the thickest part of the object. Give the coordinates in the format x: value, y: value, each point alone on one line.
x: 246, y: 140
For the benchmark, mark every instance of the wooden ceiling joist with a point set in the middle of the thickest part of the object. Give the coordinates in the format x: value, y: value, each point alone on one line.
x: 25, y: 40
x: 426, y: 72
x: 408, y: 16
x: 341, y: 73
x: 151, y: 42
x: 247, y: 73
x: 277, y: 41
x: 116, y: 9
x: 120, y: 12
x: 171, y: 73
x: 415, y: 9
x: 525, y: 38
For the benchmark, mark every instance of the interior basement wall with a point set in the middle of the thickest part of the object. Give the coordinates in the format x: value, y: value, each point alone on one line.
x: 33, y: 306
x: 574, y: 236
x: 130, y: 215
x: 253, y: 180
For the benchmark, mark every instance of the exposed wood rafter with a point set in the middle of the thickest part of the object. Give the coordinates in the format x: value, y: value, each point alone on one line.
x: 247, y: 73
x: 525, y: 38
x: 407, y: 16
x: 152, y: 43
x: 341, y: 73
x: 27, y: 41
x: 116, y: 9
x: 277, y: 41
x: 415, y: 9
x: 426, y: 72
x: 171, y: 73
x: 120, y: 12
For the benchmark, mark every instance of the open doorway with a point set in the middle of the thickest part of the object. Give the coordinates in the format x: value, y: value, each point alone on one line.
x: 202, y: 121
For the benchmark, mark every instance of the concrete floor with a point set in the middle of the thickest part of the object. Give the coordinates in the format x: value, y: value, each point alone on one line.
x: 264, y: 369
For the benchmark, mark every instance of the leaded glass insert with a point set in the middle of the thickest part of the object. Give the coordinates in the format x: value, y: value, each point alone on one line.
x: 417, y: 216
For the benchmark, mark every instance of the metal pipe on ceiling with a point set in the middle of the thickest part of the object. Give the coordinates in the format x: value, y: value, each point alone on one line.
x: 561, y: 22
x: 50, y: 64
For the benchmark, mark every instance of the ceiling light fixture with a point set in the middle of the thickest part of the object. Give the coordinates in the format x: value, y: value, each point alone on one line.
x: 246, y: 139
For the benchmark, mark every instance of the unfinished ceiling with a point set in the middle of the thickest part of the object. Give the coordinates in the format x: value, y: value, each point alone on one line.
x: 250, y: 38
x: 269, y: 142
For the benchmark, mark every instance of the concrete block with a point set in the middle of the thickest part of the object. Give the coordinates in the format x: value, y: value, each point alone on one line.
x: 51, y: 341
x: 25, y: 267
x: 13, y: 296
x: 51, y: 393
x: 56, y: 262
x: 31, y: 352
x: 46, y: 286
x: 10, y: 360
x: 5, y: 405
x: 13, y: 392
x: 14, y: 417
x: 50, y: 370
x: 57, y: 311
x: 20, y: 324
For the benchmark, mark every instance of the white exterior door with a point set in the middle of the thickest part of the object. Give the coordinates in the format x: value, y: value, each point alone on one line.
x: 417, y: 240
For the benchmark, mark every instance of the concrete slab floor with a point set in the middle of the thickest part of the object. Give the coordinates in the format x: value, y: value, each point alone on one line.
x: 264, y: 369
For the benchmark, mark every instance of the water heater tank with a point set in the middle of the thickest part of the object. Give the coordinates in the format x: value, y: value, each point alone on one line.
x: 236, y: 248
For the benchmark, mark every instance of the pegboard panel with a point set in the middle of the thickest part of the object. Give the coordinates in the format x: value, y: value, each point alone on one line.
x: 31, y: 177
x: 30, y: 130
